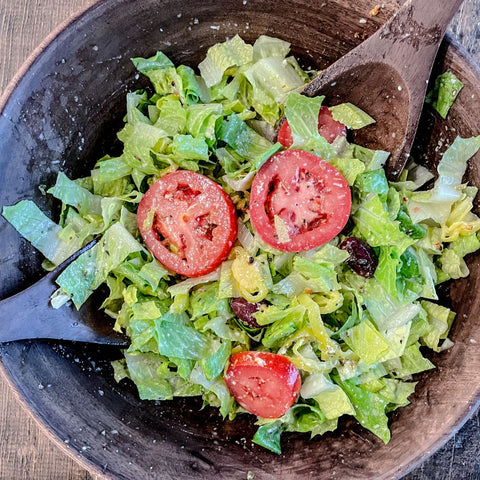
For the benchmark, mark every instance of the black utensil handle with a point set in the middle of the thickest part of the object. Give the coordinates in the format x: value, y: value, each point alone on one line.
x: 29, y: 315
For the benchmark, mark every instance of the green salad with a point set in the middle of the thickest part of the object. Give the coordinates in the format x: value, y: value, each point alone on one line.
x: 287, y: 279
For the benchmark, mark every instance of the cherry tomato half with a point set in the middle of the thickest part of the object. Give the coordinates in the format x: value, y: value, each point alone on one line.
x: 264, y: 383
x: 308, y: 195
x: 328, y: 128
x: 188, y: 222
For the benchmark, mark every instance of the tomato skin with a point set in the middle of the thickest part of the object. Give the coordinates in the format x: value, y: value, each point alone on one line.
x: 264, y: 383
x: 188, y: 222
x: 328, y: 128
x: 310, y: 197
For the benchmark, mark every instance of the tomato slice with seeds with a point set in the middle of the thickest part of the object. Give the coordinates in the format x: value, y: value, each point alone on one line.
x: 264, y: 383
x: 328, y: 128
x: 188, y: 222
x: 305, y: 195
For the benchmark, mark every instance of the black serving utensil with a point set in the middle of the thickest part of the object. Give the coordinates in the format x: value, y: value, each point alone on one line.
x: 29, y: 315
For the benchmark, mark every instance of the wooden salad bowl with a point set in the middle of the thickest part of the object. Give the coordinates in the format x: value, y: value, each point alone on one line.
x: 62, y: 111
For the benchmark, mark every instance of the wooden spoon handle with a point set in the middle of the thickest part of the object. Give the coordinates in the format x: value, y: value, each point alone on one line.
x: 409, y: 44
x: 410, y: 39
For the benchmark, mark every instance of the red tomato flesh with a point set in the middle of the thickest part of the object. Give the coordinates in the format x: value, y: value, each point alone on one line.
x: 310, y: 197
x: 188, y: 222
x: 328, y: 128
x: 264, y: 383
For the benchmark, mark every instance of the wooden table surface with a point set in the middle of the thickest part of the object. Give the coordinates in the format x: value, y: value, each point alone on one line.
x: 26, y: 453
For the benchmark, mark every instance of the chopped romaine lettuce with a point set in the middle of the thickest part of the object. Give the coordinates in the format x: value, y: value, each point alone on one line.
x: 222, y: 56
x: 445, y: 91
x: 356, y: 341
x: 91, y: 269
x: 40, y: 231
x: 436, y: 204
x: 351, y: 116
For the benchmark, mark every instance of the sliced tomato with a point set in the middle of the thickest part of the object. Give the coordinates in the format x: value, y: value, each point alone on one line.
x: 328, y: 128
x: 264, y: 383
x: 188, y: 222
x: 298, y: 201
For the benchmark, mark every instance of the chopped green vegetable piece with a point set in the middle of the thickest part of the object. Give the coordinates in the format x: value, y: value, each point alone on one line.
x: 90, y: 269
x: 268, y: 436
x: 445, y: 91
x: 222, y: 56
x: 351, y: 116
x: 37, y: 228
x: 365, y: 340
x: 369, y: 408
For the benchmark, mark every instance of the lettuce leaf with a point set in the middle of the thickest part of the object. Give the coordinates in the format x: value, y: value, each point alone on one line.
x: 221, y: 56
x: 268, y: 436
x: 411, y: 362
x: 216, y: 386
x: 369, y: 408
x: 351, y: 116
x: 161, y: 72
x: 331, y: 399
x: 272, y: 76
x: 435, y: 204
x: 91, y: 269
x: 366, y: 341
x: 265, y: 47
x: 70, y: 193
x: 445, y: 91
x: 440, y: 319
x: 181, y: 341
x: 373, y: 223
x: 302, y: 115
x: 40, y: 231
x: 245, y: 142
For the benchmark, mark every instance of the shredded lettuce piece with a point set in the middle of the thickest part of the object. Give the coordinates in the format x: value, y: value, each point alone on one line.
x: 350, y: 168
x: 154, y: 379
x: 268, y: 436
x: 373, y: 223
x: 216, y: 386
x: 351, y: 116
x: 445, y: 91
x: 436, y: 204
x: 265, y: 47
x: 373, y: 159
x: 91, y: 269
x: 181, y: 341
x: 410, y: 363
x: 302, y: 115
x: 274, y: 77
x: 366, y: 341
x: 40, y: 231
x: 70, y: 193
x: 369, y: 408
x: 245, y: 142
x: 440, y: 320
x: 186, y: 285
x: 222, y: 56
x: 331, y: 399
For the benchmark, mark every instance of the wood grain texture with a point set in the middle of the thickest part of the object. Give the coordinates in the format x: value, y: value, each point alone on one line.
x: 25, y: 451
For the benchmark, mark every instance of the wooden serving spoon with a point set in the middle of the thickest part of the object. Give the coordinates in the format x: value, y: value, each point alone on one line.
x: 29, y: 315
x: 387, y: 76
